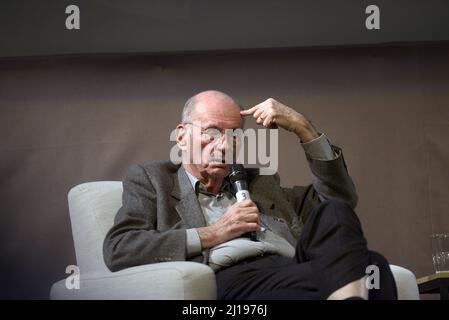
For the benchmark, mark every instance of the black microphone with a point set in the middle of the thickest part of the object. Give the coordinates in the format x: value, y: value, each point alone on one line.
x: 240, y: 185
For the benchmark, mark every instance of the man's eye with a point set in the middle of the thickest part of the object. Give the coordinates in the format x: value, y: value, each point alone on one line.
x: 212, y: 134
x: 208, y: 136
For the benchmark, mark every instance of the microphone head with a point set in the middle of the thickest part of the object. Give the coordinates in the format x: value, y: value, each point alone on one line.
x: 238, y: 173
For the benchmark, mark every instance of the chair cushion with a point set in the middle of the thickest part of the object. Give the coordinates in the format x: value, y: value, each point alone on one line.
x: 165, y: 280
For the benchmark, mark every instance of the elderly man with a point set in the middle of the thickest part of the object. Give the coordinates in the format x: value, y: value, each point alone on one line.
x: 310, y: 244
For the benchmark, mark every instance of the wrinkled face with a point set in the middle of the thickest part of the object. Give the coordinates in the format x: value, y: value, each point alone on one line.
x: 210, y: 117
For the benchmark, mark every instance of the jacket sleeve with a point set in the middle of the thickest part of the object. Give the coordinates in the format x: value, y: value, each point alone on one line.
x: 331, y: 180
x: 134, y: 239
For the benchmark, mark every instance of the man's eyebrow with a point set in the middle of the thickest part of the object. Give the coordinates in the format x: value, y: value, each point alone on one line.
x: 212, y: 126
x: 219, y: 129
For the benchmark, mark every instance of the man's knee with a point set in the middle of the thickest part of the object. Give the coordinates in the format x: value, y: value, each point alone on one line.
x: 379, y: 260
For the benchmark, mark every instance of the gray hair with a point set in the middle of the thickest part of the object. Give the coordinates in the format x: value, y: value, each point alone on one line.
x: 189, y: 106
x: 187, y: 110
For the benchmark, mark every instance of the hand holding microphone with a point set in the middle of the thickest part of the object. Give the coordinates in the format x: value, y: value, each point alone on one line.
x: 239, y: 182
x: 242, y: 218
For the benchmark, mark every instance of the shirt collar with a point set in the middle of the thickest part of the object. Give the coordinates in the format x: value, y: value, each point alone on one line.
x: 199, y: 187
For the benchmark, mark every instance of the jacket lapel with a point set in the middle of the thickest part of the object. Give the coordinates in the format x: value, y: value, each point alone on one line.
x: 188, y: 206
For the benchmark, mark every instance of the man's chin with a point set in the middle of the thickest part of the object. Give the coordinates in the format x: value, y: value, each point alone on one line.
x: 218, y: 166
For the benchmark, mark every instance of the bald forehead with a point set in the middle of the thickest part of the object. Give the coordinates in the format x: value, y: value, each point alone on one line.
x: 214, y: 102
x: 215, y: 97
x: 217, y: 109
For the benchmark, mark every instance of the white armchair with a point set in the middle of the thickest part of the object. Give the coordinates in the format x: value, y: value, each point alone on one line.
x: 92, y: 209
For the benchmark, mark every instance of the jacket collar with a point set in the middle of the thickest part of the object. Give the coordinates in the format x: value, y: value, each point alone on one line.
x: 188, y: 206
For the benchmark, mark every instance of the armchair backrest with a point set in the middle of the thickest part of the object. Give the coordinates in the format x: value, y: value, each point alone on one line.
x: 92, y: 207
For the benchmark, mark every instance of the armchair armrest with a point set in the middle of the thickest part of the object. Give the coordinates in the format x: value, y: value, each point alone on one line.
x: 159, y: 281
x: 405, y: 283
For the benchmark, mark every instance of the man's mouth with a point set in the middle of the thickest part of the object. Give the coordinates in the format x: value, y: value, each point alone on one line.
x: 218, y: 162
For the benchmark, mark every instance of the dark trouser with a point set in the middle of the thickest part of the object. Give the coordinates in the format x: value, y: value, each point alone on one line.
x: 330, y: 253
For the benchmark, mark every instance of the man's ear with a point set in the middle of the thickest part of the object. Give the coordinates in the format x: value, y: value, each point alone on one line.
x: 181, y: 137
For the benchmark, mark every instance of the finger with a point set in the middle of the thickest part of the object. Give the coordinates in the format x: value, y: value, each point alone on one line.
x: 244, y: 212
x: 258, y: 112
x: 248, y: 111
x: 263, y: 116
x: 252, y: 227
x: 265, y: 113
x: 258, y: 108
x: 253, y: 217
x: 246, y: 203
x: 273, y: 124
x: 248, y: 210
x: 267, y: 122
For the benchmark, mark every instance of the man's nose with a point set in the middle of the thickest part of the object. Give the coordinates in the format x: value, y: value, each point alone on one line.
x: 224, y: 142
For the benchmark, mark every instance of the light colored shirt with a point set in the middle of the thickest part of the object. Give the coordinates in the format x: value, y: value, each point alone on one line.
x: 214, y: 206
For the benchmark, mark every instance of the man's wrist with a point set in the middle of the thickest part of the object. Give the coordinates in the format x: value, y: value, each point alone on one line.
x: 305, y: 130
x: 209, y: 236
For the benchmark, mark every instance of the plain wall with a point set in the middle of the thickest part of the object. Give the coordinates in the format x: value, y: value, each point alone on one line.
x: 69, y: 120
